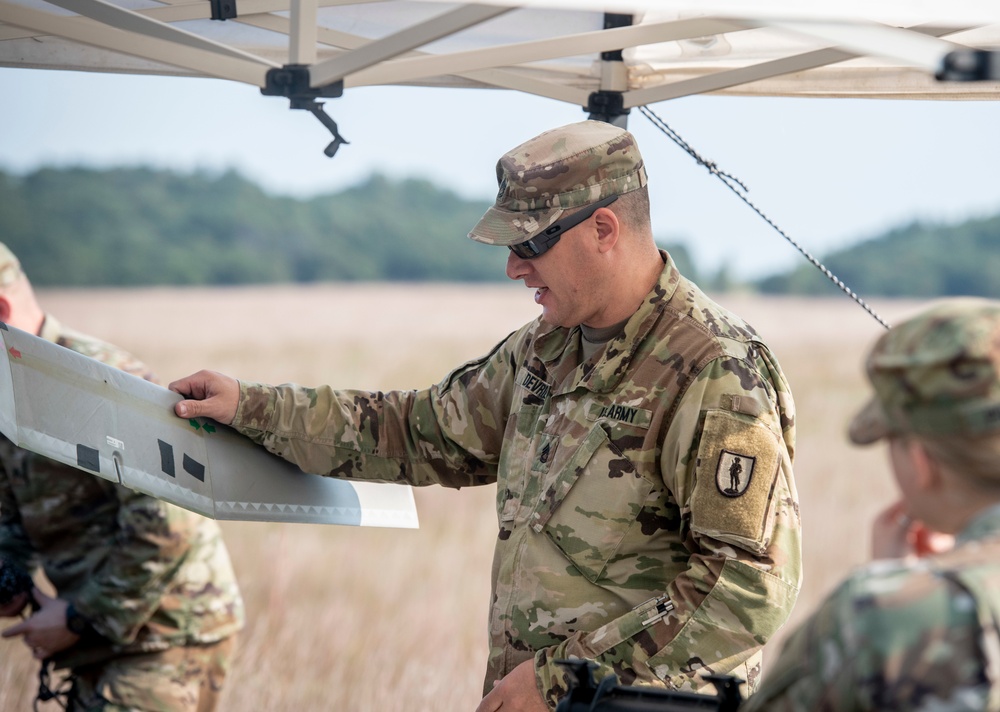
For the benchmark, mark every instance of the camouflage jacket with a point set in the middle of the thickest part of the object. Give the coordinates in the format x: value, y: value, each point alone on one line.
x: 146, y: 574
x: 647, y: 513
x: 900, y: 636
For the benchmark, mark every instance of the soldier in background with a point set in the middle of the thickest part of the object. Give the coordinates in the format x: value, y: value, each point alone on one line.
x: 609, y: 425
x: 146, y: 605
x: 917, y: 629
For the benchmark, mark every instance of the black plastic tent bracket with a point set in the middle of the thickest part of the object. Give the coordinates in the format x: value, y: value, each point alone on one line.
x: 292, y: 81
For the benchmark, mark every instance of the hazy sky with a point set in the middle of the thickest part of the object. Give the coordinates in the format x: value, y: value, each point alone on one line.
x: 828, y: 171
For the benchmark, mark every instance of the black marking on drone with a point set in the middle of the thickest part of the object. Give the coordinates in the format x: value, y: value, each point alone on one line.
x: 194, y: 468
x: 167, y: 458
x: 88, y: 458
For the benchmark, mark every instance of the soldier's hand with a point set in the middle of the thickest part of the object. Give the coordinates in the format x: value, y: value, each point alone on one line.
x: 45, y: 633
x: 209, y: 395
x: 926, y: 541
x: 518, y: 692
x: 895, y: 535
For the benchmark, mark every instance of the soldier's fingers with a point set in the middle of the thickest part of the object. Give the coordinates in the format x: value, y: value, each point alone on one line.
x: 893, y: 512
x: 890, y: 533
x: 927, y: 542
x: 188, y: 408
x: 19, y: 629
x: 490, y: 703
x: 192, y: 386
x: 216, y: 407
x: 208, y: 394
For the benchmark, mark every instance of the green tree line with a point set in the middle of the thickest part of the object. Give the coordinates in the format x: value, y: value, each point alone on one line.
x: 918, y: 260
x: 79, y: 227
x: 123, y: 227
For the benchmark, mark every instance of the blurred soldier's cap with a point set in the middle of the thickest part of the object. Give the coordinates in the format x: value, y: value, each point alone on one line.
x: 10, y: 268
x: 559, y: 170
x: 937, y: 373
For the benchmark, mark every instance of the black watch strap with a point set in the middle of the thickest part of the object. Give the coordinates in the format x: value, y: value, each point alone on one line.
x: 75, y: 622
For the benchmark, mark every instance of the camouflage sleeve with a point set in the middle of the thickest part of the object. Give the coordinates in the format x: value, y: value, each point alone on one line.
x: 790, y: 683
x: 727, y: 462
x: 449, y: 434
x: 14, y: 544
x: 884, y: 639
x: 151, y: 540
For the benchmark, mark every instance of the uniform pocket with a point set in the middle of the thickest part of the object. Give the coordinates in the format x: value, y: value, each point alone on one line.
x: 516, y: 460
x: 591, y: 503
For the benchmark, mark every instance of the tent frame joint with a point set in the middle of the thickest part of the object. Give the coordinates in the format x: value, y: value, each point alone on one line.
x: 292, y: 81
x: 223, y: 9
x: 970, y: 65
x: 606, y: 105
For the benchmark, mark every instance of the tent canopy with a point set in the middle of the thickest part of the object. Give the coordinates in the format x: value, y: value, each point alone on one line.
x: 585, y: 52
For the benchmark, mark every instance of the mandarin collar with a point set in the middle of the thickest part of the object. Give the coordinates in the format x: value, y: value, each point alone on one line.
x: 553, y: 342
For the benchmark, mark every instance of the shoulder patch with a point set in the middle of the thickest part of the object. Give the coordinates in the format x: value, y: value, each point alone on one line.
x: 735, y: 471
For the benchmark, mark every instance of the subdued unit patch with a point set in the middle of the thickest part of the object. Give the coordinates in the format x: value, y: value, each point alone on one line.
x: 734, y: 473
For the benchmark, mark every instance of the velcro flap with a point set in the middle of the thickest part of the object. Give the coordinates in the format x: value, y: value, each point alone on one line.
x: 738, y: 460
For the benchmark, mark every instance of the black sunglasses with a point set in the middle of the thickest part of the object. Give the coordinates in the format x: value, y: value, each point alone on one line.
x: 543, y: 241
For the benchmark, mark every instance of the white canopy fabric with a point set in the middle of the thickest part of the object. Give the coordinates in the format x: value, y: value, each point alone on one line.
x: 551, y: 48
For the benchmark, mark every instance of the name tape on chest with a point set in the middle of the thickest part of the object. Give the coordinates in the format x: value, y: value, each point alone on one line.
x: 535, y: 385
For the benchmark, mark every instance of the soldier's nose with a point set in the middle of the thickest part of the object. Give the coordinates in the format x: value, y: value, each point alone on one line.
x: 517, y: 267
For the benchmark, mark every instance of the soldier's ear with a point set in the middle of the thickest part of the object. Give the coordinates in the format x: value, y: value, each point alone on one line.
x: 5, y: 309
x: 608, y: 228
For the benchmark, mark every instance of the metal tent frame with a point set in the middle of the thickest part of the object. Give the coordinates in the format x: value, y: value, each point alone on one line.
x: 560, y: 49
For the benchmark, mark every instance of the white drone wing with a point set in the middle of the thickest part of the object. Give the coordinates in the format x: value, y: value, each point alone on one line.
x: 61, y: 404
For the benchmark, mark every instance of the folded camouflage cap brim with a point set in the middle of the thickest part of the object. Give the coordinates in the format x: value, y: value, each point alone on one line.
x: 937, y: 373
x: 10, y: 267
x: 565, y: 168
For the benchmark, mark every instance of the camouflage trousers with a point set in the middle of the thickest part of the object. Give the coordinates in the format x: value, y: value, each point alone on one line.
x: 181, y: 679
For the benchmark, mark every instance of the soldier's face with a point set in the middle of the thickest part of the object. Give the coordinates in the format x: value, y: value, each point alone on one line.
x: 567, y: 279
x: 902, y: 466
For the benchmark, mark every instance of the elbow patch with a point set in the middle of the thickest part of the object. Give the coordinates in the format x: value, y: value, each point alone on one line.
x: 735, y: 474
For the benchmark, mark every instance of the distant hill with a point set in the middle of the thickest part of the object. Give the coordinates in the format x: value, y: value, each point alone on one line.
x: 920, y: 260
x: 139, y: 226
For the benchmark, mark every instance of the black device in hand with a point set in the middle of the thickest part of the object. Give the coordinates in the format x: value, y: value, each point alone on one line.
x: 609, y: 696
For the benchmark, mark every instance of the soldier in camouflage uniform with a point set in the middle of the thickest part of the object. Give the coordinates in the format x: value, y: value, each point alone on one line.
x: 147, y: 606
x: 918, y: 631
x: 609, y: 424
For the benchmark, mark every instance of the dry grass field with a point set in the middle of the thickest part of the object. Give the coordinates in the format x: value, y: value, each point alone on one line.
x: 361, y: 619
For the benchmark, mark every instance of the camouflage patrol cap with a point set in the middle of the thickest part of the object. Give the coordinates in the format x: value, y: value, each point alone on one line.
x: 937, y: 373
x: 565, y: 168
x: 10, y: 267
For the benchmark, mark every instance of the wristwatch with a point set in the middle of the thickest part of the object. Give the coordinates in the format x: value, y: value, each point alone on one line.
x: 75, y: 622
